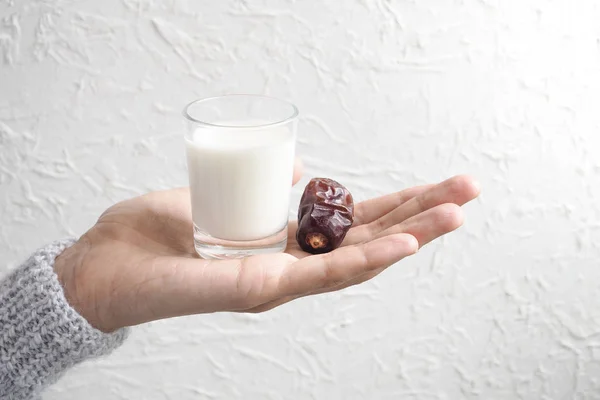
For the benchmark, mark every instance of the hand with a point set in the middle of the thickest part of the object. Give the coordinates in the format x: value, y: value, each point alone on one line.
x: 138, y: 263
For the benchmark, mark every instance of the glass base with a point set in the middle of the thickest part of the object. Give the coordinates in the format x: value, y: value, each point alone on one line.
x: 211, y: 248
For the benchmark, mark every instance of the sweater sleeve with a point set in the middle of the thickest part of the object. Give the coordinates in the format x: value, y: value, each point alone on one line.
x: 41, y: 335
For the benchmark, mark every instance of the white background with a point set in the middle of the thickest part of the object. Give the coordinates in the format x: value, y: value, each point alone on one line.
x: 393, y: 93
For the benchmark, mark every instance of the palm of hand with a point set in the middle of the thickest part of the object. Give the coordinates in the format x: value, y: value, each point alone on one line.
x: 138, y: 262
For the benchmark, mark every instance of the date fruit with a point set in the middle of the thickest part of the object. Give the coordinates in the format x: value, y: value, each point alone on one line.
x: 325, y: 215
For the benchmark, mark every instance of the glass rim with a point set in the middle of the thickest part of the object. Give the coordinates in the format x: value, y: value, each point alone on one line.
x: 187, y: 115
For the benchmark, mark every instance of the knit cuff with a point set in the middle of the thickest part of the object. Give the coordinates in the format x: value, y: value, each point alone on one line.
x: 41, y: 335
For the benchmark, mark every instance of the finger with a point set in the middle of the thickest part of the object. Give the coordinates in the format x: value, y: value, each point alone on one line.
x: 334, y: 286
x: 457, y: 190
x: 429, y: 225
x: 270, y: 305
x: 352, y: 282
x: 370, y: 210
x: 298, y: 171
x: 361, y: 278
x: 321, y: 271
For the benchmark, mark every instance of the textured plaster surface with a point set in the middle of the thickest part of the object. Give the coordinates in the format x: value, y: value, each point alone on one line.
x: 393, y: 93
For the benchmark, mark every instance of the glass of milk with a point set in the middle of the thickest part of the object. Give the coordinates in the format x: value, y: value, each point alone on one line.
x: 240, y: 156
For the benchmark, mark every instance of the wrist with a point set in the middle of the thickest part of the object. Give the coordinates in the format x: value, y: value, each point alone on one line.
x: 68, y: 267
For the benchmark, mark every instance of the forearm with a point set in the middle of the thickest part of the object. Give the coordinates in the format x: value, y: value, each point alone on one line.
x: 41, y: 335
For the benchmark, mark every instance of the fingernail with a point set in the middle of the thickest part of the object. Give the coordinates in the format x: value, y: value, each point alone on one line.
x: 415, y: 245
x: 477, y: 186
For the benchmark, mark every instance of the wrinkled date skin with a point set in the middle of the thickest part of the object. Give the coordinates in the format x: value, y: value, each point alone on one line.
x: 325, y: 215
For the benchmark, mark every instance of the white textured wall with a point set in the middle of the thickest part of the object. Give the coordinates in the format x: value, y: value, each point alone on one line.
x: 393, y: 93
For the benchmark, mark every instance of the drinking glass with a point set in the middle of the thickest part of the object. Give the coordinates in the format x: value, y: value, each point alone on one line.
x: 240, y: 156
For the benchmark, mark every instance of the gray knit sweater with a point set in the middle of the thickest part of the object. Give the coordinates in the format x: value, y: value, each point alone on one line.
x: 41, y: 335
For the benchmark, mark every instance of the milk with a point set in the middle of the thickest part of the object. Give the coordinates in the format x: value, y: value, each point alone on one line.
x: 240, y: 180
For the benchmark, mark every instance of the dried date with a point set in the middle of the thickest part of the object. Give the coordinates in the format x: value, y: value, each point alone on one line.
x: 325, y: 215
